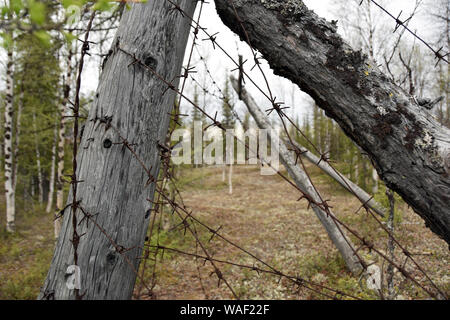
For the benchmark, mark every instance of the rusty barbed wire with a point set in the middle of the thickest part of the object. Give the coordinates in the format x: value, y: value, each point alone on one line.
x: 297, y: 280
x: 403, y: 23
x: 74, y: 182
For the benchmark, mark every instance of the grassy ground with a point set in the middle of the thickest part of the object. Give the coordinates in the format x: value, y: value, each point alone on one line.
x: 26, y: 255
x: 263, y: 216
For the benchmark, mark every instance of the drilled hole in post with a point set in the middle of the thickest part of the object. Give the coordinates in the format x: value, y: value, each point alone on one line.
x: 151, y: 62
x: 107, y: 143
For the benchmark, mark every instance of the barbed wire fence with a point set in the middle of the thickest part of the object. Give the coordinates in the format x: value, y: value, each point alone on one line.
x: 172, y: 203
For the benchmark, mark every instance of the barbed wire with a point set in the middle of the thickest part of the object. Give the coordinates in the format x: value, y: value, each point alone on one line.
x: 403, y: 23
x: 74, y: 182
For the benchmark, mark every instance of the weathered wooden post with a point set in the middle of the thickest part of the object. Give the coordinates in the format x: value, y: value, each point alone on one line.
x: 137, y: 106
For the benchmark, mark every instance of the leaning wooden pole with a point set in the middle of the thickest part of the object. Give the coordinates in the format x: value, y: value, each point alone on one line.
x: 112, y: 188
x: 362, y: 196
x: 339, y: 239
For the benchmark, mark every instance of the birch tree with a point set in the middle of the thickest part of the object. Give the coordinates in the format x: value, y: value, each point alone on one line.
x: 8, y: 144
x: 40, y: 179
x: 61, y: 143
x: 439, y: 13
x: 51, y: 189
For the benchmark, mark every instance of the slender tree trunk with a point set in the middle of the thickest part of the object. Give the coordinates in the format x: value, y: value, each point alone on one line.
x: 230, y: 179
x: 113, y: 183
x: 9, y: 157
x: 391, y: 246
x: 51, y: 190
x: 61, y: 142
x: 2, y: 141
x: 38, y: 162
x: 374, y: 181
x: 409, y: 148
x: 17, y: 140
x: 32, y: 188
x: 342, y: 243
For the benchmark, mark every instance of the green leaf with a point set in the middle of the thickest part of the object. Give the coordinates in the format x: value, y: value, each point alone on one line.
x: 37, y: 12
x: 16, y: 5
x: 7, y: 40
x: 44, y: 36
x: 103, y: 5
x: 68, y: 3
x: 69, y: 36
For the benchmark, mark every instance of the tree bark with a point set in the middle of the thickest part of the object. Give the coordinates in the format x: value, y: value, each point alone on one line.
x: 113, y: 182
x: 17, y: 141
x: 38, y: 162
x: 51, y: 189
x: 390, y: 272
x: 408, y: 147
x: 374, y: 181
x: 339, y: 239
x: 61, y: 142
x: 9, y: 157
x: 230, y: 178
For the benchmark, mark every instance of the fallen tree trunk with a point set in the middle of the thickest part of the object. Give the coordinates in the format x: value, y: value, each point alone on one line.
x: 113, y: 185
x: 408, y: 147
x: 339, y: 239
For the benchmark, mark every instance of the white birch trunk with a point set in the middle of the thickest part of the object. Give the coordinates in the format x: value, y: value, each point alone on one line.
x: 17, y: 141
x: 61, y: 140
x: 390, y: 272
x: 375, y: 181
x: 230, y: 160
x: 38, y: 162
x: 9, y: 157
x: 342, y: 243
x: 51, y: 190
x: 230, y: 179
